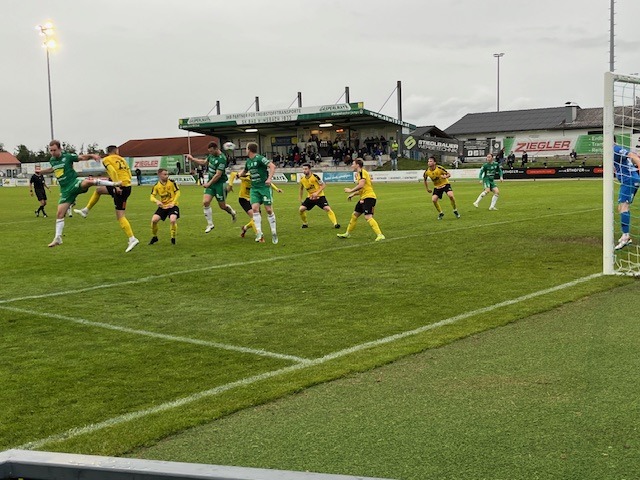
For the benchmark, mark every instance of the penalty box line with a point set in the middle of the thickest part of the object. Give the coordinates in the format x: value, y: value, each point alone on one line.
x: 278, y: 258
x: 161, y: 336
x: 88, y: 429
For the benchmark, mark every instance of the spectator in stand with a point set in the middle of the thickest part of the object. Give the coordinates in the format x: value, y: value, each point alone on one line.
x: 138, y: 176
x: 384, y: 144
x: 573, y: 156
x: 511, y: 159
x: 525, y: 159
x: 378, y: 155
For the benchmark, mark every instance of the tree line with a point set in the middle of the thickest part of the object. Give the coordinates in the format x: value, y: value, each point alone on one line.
x: 25, y: 155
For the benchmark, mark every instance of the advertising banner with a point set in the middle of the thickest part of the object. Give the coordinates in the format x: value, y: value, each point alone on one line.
x: 553, y: 172
x: 432, y: 144
x: 397, y: 176
x: 335, y: 177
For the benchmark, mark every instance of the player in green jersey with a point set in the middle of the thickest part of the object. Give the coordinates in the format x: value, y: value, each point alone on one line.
x: 487, y: 177
x: 70, y: 185
x: 216, y: 164
x: 261, y: 170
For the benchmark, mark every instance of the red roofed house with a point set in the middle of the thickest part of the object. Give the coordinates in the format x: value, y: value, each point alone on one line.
x: 160, y: 147
x: 149, y: 154
x: 9, y: 165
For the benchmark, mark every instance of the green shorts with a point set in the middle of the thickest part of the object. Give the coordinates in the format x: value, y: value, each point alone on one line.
x: 69, y: 194
x: 217, y: 190
x: 489, y: 183
x: 261, y: 195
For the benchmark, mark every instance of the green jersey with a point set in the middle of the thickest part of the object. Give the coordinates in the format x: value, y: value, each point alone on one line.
x: 217, y: 162
x: 63, y: 170
x: 489, y: 170
x: 258, y: 169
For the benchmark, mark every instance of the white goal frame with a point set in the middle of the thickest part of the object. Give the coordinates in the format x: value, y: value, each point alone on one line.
x: 617, y: 118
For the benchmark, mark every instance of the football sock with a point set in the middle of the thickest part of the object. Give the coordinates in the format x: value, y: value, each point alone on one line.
x: 98, y: 182
x: 303, y: 216
x: 230, y: 210
x: 481, y: 196
x: 250, y: 225
x: 453, y: 203
x: 93, y: 200
x: 173, y: 229
x: 257, y: 222
x: 374, y: 226
x: 154, y: 229
x: 625, y: 222
x: 126, y: 226
x: 332, y: 217
x: 352, y: 223
x: 494, y: 200
x: 208, y: 215
x: 272, y: 222
x: 59, y: 226
x: 438, y: 207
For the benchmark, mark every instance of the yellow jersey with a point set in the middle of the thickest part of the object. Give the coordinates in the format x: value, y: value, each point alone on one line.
x: 118, y: 169
x: 312, y: 184
x: 245, y: 185
x: 367, y: 190
x: 167, y: 192
x: 436, y: 176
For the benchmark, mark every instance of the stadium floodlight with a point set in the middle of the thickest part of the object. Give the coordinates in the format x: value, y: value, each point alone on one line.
x: 251, y: 130
x: 325, y: 125
x: 498, y: 56
x: 620, y: 176
x: 49, y: 43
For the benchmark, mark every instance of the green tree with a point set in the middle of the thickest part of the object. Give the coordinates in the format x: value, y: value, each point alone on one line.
x: 23, y: 154
x: 2, y: 147
x: 94, y: 148
x: 67, y: 147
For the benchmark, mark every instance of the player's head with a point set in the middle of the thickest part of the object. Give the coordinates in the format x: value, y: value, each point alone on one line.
x: 306, y: 169
x: 431, y: 161
x: 54, y: 148
x: 252, y: 149
x: 490, y: 158
x: 213, y: 148
x: 37, y: 168
x: 357, y: 165
x: 112, y: 150
x: 163, y: 174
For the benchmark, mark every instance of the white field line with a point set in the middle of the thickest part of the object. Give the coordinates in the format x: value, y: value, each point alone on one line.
x: 162, y: 336
x: 278, y: 258
x: 75, y: 432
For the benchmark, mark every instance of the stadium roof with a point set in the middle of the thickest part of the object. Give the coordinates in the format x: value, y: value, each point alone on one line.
x: 430, y: 131
x: 555, y: 118
x: 343, y: 115
x: 153, y: 147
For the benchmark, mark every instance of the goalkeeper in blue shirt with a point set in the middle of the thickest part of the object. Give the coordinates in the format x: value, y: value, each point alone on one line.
x: 627, y: 166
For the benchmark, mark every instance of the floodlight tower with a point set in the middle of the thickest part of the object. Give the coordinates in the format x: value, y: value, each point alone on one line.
x: 49, y: 43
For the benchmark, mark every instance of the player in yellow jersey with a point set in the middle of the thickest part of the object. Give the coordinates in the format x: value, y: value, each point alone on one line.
x: 315, y: 196
x: 367, y: 201
x: 118, y: 171
x: 244, y: 198
x: 165, y: 194
x: 440, y: 178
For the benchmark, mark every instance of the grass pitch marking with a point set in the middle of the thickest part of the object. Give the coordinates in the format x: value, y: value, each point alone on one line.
x: 278, y: 258
x: 75, y: 432
x: 162, y: 336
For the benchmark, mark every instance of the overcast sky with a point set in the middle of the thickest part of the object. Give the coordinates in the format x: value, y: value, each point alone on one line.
x: 129, y: 69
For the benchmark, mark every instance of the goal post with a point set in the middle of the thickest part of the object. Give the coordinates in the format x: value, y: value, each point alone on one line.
x: 621, y: 120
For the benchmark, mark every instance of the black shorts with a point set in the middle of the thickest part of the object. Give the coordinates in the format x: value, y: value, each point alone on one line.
x: 366, y: 206
x: 119, y: 199
x: 41, y: 195
x: 442, y: 190
x: 163, y: 213
x: 321, y: 202
x: 245, y: 204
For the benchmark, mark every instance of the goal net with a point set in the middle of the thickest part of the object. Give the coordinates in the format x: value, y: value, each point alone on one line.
x: 621, y: 177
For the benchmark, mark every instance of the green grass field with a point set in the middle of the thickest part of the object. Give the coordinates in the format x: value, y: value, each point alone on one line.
x: 105, y: 352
